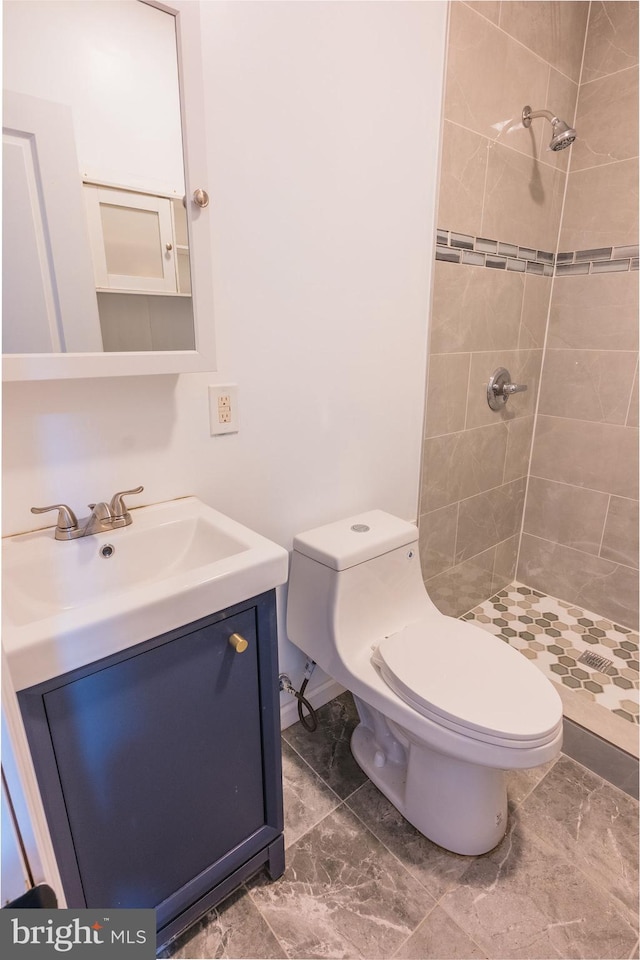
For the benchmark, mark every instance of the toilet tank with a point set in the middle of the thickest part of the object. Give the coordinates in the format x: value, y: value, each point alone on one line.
x: 351, y: 583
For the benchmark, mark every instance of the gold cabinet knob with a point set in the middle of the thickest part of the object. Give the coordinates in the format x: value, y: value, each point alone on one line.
x: 238, y: 642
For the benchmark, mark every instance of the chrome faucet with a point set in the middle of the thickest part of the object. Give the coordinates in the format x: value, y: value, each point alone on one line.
x: 500, y: 388
x: 103, y: 517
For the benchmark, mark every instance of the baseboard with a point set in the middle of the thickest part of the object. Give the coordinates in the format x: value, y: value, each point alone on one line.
x: 317, y: 698
x: 604, y: 758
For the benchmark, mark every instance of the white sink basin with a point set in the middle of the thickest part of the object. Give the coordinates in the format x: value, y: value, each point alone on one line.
x: 65, y: 605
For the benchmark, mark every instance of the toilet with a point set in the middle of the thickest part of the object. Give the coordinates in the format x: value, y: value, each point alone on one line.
x: 444, y: 707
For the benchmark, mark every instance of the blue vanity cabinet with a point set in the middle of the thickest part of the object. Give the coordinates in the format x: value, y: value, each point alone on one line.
x: 160, y: 767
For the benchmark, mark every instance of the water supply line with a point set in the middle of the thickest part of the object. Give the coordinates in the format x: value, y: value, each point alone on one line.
x: 309, y: 722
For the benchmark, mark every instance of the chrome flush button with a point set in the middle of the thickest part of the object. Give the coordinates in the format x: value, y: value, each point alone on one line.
x: 360, y: 528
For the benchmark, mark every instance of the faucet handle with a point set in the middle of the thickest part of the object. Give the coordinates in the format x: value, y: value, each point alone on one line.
x: 67, y: 519
x: 500, y: 388
x: 117, y: 506
x: 510, y: 388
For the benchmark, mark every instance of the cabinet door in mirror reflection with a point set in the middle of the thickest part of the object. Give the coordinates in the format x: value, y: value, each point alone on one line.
x: 140, y: 258
x: 96, y: 251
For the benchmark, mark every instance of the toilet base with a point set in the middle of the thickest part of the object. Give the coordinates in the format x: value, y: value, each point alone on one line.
x: 460, y: 806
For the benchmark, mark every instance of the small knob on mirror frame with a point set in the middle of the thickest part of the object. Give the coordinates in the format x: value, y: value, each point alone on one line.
x: 238, y: 642
x: 201, y: 198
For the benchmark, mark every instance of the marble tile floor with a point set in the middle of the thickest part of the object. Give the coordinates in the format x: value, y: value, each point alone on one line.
x: 361, y: 882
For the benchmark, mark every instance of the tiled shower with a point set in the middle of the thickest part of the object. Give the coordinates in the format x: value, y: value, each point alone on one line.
x: 537, y: 271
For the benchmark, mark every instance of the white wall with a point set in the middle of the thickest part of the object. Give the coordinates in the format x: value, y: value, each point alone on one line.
x: 323, y: 124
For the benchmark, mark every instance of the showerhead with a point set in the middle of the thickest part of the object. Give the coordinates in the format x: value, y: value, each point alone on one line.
x: 563, y: 134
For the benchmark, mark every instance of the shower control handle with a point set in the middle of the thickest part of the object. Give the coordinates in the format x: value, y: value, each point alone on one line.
x: 500, y: 388
x: 510, y: 388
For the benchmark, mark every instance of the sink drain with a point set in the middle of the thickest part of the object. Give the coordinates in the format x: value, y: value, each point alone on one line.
x: 107, y: 550
x: 595, y: 660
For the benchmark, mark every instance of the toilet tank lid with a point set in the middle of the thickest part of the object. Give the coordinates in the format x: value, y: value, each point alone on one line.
x: 345, y: 543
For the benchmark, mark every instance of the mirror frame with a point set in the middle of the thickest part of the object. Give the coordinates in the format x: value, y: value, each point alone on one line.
x: 43, y: 366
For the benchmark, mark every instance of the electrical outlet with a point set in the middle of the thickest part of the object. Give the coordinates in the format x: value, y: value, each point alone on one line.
x: 223, y: 408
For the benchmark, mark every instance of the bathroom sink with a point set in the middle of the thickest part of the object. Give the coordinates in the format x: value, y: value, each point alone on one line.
x: 69, y: 603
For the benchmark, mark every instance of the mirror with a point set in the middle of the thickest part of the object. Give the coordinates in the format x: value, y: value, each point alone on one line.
x: 105, y: 256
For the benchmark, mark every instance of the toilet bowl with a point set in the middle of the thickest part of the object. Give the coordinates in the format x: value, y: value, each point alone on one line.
x: 444, y: 707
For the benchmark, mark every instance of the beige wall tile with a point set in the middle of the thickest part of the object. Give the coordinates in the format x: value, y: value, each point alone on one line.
x: 485, y: 450
x: 491, y: 186
x: 590, y: 582
x: 489, y: 518
x: 487, y: 8
x: 607, y: 120
x: 587, y: 384
x: 535, y: 310
x: 524, y: 367
x: 441, y: 471
x: 600, y: 456
x: 601, y: 207
x: 620, y: 540
x: 460, y: 465
x: 464, y: 586
x: 519, y: 437
x: 612, y: 38
x: 462, y: 176
x: 438, y: 540
x: 565, y: 514
x: 632, y: 416
x: 555, y: 31
x: 598, y: 312
x: 490, y: 78
x: 446, y: 393
x: 504, y: 567
x: 475, y: 308
x: 523, y: 200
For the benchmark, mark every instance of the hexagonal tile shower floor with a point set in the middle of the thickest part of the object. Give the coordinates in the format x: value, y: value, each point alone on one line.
x: 555, y: 635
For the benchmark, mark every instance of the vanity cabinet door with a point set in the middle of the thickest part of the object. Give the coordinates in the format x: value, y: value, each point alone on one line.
x: 157, y: 769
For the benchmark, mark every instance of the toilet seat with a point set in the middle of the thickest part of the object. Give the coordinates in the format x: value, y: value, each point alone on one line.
x: 470, y: 681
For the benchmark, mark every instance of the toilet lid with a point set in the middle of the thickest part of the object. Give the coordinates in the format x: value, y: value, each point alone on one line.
x: 464, y: 677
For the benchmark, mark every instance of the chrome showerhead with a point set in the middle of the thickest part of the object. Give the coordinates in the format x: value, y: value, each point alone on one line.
x: 563, y: 134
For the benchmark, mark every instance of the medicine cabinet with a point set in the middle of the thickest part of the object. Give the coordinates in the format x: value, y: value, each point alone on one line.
x: 107, y: 248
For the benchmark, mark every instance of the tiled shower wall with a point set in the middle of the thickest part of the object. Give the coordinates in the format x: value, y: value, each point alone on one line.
x: 500, y: 206
x: 580, y: 539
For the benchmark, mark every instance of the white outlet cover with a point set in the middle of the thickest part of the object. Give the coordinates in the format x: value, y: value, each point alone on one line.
x: 230, y: 422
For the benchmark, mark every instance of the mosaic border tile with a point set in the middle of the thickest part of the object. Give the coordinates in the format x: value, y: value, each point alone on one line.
x: 554, y: 635
x: 462, y: 248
